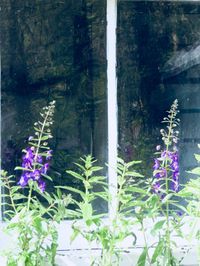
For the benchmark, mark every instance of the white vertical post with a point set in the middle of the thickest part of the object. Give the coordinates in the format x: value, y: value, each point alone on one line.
x: 1, y: 207
x: 112, y: 102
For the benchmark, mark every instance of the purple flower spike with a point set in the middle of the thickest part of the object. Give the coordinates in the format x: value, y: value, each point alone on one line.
x: 161, y: 172
x: 34, y: 165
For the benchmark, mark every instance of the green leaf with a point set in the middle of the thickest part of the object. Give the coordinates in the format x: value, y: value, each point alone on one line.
x: 158, y: 251
x: 96, y: 168
x: 87, y: 211
x: 142, y: 259
x: 136, y: 190
x: 80, y: 166
x: 197, y: 156
x: 37, y: 223
x: 157, y: 226
x: 97, y: 178
x: 75, y: 190
x: 44, y: 137
x: 133, y: 173
x: 33, y: 144
x: 75, y: 233
x: 59, y: 193
x: 167, y: 198
x: 22, y: 168
x: 76, y: 175
x: 133, y: 163
x: 47, y: 177
x: 195, y: 171
x: 18, y: 196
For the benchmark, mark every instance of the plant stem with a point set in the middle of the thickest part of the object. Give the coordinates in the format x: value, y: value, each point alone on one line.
x: 36, y: 155
x: 10, y: 195
x: 145, y: 242
x: 167, y: 192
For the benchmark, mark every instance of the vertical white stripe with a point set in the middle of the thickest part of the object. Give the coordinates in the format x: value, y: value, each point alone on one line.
x: 1, y: 207
x: 112, y: 101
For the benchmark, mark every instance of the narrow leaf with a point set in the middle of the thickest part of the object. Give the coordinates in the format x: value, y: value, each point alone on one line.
x: 142, y: 258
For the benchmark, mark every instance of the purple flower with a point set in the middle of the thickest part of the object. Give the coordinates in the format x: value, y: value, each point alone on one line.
x: 160, y: 172
x: 24, y: 179
x: 44, y: 169
x: 27, y: 163
x: 41, y: 185
x: 36, y: 174
x: 163, y: 172
x: 175, y: 166
x: 49, y: 154
x: 34, y: 165
x: 156, y: 164
x: 39, y: 159
x: 175, y: 185
x: 164, y: 155
x: 179, y: 213
x: 28, y: 158
x: 156, y: 187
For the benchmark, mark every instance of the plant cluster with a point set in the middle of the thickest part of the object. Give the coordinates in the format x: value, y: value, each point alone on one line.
x: 137, y: 201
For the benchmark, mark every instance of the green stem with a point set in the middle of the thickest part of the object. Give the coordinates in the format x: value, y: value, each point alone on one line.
x: 145, y: 243
x: 10, y: 195
x: 167, y: 192
x: 36, y: 155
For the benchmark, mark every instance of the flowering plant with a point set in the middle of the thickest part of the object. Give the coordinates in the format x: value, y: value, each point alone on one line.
x: 31, y: 220
x: 166, y: 185
x: 162, y: 199
x: 34, y: 221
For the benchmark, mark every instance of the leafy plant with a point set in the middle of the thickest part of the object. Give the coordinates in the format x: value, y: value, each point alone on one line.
x: 84, y: 209
x: 106, y: 232
x: 120, y: 224
x: 31, y: 220
x: 191, y: 193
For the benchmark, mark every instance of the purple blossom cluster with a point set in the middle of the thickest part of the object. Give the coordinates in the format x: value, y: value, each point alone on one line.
x: 34, y: 166
x: 166, y: 166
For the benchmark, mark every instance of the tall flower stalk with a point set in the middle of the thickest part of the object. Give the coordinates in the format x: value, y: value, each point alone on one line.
x: 166, y: 173
x: 35, y: 160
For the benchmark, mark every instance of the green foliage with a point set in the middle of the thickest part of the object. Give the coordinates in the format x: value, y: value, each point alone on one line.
x: 107, y: 232
x: 87, y: 175
x: 191, y: 193
x: 120, y: 224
